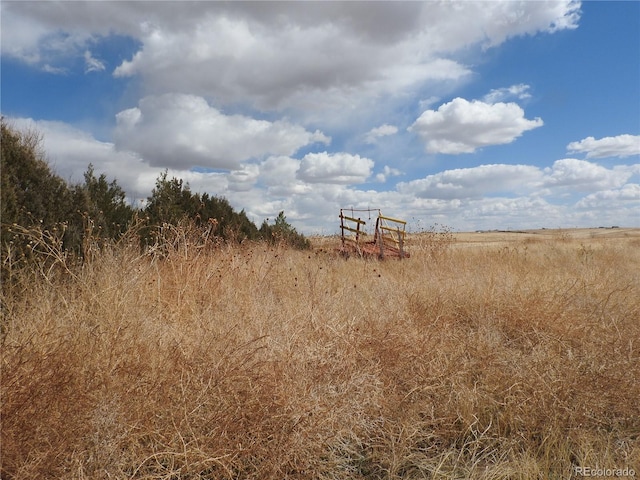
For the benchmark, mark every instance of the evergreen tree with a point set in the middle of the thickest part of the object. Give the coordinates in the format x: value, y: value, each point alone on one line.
x: 38, y: 206
x: 33, y: 199
x: 31, y: 193
x: 107, y: 208
x: 172, y: 201
x: 232, y: 225
x: 282, y: 231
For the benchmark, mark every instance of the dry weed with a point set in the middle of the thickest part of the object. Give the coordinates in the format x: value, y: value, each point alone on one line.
x: 256, y: 362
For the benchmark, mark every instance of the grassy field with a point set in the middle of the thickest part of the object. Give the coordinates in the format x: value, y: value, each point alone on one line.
x: 485, y: 355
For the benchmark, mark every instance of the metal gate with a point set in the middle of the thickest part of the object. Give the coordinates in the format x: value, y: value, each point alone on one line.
x: 389, y: 237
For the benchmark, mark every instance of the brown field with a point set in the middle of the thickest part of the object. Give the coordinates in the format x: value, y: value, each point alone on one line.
x: 485, y: 355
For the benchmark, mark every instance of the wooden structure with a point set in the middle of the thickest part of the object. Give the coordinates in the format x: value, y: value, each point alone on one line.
x: 388, y: 238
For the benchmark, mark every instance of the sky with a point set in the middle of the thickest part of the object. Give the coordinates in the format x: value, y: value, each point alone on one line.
x: 466, y: 115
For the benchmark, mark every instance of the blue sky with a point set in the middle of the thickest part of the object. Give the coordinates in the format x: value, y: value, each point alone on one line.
x: 473, y: 115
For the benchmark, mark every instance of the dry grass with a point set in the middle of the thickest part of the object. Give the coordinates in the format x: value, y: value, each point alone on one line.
x: 510, y: 358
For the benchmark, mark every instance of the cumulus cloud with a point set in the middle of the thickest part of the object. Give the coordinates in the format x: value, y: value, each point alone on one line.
x: 275, y: 54
x: 475, y: 182
x: 580, y: 175
x: 70, y: 150
x: 521, y: 212
x: 461, y: 126
x: 244, y: 179
x: 564, y: 175
x: 176, y: 130
x: 279, y: 175
x: 277, y: 170
x: 313, y: 189
x: 387, y: 172
x: 335, y: 57
x: 51, y: 37
x: 508, y: 19
x: 628, y: 195
x: 382, y: 131
x: 241, y: 60
x: 336, y: 168
x: 620, y: 146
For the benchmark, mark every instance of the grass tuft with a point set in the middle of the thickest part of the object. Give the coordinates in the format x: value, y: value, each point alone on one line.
x: 516, y: 357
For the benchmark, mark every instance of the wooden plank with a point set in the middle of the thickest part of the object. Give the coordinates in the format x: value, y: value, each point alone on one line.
x: 391, y: 229
x: 393, y: 219
x: 353, y: 230
x: 357, y: 220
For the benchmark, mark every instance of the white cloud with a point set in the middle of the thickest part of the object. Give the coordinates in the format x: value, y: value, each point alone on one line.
x: 425, y: 104
x: 475, y: 182
x: 280, y: 54
x: 244, y: 179
x: 382, y: 131
x: 47, y: 36
x: 337, y: 168
x: 175, y: 130
x: 321, y: 64
x: 92, y: 64
x: 70, y: 150
x: 527, y: 18
x: 20, y: 35
x: 566, y: 175
x: 519, y: 92
x: 620, y: 146
x: 278, y: 174
x: 54, y: 70
x: 277, y: 170
x: 387, y: 172
x: 580, y: 175
x: 461, y: 126
x: 295, y: 66
x: 312, y: 190
x: 627, y: 195
x: 519, y: 212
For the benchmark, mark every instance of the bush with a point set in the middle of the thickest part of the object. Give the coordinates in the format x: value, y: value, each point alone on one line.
x: 41, y: 211
x: 32, y: 197
x: 282, y: 232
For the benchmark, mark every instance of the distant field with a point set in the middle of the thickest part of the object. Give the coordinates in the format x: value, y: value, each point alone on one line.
x: 512, y: 355
x: 579, y: 234
x: 495, y: 237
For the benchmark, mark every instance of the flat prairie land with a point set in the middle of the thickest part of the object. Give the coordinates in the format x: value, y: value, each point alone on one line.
x: 592, y: 235
x: 487, y: 355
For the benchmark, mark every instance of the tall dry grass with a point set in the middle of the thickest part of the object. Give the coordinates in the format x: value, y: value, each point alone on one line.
x: 515, y: 360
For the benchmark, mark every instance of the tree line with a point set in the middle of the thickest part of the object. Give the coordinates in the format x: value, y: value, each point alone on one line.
x: 33, y: 197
